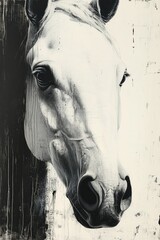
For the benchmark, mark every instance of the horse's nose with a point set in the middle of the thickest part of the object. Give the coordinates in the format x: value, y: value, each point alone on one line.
x: 126, y: 196
x: 89, y: 193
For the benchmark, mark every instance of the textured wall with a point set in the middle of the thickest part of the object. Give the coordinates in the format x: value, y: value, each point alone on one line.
x: 20, y: 173
x: 136, y: 27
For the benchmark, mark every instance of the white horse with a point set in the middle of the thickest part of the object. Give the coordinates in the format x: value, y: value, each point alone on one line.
x: 72, y: 104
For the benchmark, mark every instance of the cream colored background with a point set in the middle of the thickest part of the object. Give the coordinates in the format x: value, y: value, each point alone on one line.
x: 139, y: 135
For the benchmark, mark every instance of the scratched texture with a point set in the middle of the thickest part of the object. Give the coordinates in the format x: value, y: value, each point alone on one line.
x: 20, y: 174
x: 27, y: 211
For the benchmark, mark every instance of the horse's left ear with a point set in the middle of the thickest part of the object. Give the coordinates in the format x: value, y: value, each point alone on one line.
x: 105, y: 8
x: 35, y: 10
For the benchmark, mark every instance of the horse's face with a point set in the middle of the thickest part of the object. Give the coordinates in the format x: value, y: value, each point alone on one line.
x: 72, y: 116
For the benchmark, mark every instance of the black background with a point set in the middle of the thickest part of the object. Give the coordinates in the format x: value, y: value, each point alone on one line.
x: 21, y: 176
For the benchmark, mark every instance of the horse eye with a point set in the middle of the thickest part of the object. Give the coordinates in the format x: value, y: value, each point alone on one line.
x: 43, y: 77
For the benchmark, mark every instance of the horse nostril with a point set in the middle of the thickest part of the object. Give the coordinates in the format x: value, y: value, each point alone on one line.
x: 89, y: 193
x: 126, y: 198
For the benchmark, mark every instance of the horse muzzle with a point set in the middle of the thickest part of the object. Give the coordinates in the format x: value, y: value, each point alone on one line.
x: 97, y: 206
x: 98, y: 200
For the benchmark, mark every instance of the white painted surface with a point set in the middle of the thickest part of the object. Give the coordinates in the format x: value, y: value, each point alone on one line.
x: 139, y: 135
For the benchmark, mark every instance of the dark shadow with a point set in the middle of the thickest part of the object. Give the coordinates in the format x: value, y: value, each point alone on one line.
x: 22, y: 177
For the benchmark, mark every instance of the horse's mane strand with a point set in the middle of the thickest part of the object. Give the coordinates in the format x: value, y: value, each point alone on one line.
x: 77, y: 10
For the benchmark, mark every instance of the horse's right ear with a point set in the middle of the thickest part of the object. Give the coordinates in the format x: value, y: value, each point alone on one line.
x: 35, y: 10
x: 105, y: 8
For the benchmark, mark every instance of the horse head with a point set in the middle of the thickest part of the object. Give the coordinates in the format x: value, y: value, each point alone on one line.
x: 72, y: 104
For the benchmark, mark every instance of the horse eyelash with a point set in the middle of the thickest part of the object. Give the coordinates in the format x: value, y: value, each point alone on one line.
x: 125, y: 76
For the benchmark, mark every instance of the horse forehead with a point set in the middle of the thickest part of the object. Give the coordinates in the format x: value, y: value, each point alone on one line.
x: 62, y: 34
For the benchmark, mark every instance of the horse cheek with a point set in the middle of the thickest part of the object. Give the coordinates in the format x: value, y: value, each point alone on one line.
x: 70, y: 114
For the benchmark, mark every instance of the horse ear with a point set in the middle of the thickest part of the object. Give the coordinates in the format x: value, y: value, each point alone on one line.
x: 35, y: 10
x: 105, y: 8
